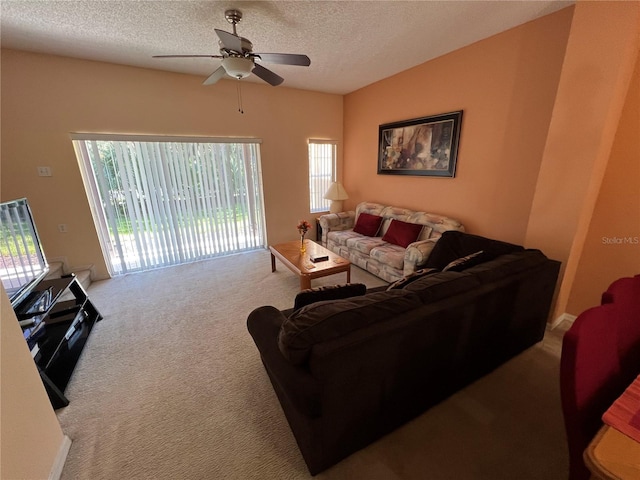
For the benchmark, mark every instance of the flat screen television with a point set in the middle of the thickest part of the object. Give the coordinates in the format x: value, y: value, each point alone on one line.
x: 22, y: 260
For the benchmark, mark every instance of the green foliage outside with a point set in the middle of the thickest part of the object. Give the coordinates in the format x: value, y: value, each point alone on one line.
x: 125, y: 227
x: 9, y: 246
x: 114, y: 175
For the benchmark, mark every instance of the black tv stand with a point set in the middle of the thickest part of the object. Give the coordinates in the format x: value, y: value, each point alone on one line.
x: 37, y: 302
x: 59, y: 333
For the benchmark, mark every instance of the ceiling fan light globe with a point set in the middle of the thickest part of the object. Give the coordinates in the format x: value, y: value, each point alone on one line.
x: 237, y: 67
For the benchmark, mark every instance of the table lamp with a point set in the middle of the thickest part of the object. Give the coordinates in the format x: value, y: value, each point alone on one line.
x: 336, y: 194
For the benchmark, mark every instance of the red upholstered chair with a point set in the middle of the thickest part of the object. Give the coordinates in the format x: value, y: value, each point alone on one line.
x: 600, y: 358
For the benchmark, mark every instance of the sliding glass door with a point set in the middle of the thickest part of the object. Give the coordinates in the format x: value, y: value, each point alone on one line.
x: 165, y: 201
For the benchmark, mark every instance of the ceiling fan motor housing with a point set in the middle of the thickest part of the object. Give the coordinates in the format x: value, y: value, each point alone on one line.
x: 233, y: 16
x: 247, y: 47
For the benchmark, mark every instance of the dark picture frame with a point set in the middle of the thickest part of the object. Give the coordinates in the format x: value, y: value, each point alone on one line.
x: 421, y: 146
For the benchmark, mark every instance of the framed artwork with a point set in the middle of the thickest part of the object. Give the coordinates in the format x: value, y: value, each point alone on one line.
x: 422, y: 146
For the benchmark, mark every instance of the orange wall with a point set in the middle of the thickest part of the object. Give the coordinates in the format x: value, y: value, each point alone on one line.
x: 506, y: 85
x: 541, y: 106
x: 600, y: 57
x: 44, y: 98
x: 612, y: 245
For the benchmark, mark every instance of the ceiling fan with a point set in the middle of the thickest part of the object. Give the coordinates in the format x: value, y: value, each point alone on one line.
x: 238, y: 59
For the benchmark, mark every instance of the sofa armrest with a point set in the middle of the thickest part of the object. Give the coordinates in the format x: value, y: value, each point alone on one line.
x: 292, y: 383
x: 335, y: 222
x: 416, y: 255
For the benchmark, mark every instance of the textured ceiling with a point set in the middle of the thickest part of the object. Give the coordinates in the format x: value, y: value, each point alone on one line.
x: 351, y: 43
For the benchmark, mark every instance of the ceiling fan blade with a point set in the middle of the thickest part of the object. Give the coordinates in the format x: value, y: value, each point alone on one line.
x: 285, y: 58
x: 267, y: 75
x: 229, y: 40
x: 186, y: 56
x: 215, y: 76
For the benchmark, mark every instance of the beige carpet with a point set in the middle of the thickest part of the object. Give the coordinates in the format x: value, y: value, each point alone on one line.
x: 170, y: 386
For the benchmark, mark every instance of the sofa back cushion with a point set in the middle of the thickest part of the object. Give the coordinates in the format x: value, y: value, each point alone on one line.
x: 504, y: 266
x: 371, y: 208
x: 412, y: 277
x: 394, y: 213
x: 324, y: 321
x: 454, y: 245
x: 438, y: 285
x: 434, y: 224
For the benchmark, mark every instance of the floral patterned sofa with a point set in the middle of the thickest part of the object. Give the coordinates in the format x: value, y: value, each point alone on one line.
x: 389, y: 260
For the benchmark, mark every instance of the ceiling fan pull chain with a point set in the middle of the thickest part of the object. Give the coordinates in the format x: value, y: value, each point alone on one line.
x: 239, y: 89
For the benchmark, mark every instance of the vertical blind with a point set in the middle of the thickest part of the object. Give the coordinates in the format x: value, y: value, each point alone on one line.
x: 322, y: 161
x: 160, y: 202
x: 21, y: 257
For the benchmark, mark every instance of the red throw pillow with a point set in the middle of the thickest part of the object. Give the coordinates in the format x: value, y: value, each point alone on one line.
x: 402, y: 233
x: 367, y: 224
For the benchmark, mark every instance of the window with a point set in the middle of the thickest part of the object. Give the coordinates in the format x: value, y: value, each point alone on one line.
x: 160, y: 201
x: 322, y: 167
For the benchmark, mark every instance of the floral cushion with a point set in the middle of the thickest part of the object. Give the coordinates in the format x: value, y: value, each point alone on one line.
x: 364, y: 244
x: 371, y: 208
x: 341, y: 237
x: 390, y: 254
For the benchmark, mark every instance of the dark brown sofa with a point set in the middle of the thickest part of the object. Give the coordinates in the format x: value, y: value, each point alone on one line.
x: 348, y: 371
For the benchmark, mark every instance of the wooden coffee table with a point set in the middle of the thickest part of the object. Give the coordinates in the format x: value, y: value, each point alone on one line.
x: 289, y: 254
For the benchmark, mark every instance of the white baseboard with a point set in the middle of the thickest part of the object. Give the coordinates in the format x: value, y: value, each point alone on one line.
x: 90, y: 267
x: 62, y: 260
x: 565, y: 316
x: 66, y: 268
x: 58, y: 464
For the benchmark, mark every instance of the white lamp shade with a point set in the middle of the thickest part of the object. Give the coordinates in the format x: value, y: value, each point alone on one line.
x: 336, y: 192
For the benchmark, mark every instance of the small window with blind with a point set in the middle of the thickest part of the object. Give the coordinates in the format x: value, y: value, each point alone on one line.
x: 322, y: 166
